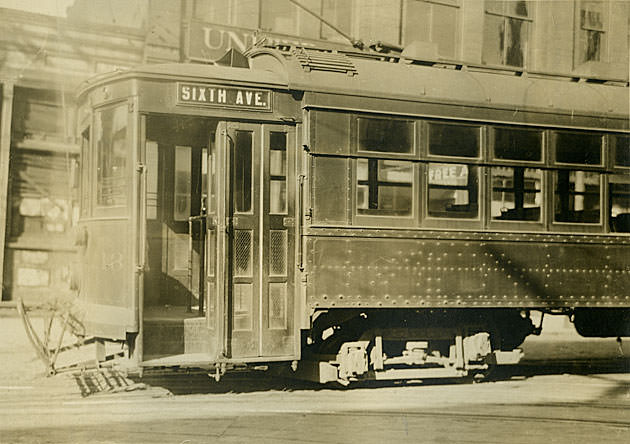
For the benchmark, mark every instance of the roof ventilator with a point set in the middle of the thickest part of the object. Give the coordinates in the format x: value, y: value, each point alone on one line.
x: 325, y: 61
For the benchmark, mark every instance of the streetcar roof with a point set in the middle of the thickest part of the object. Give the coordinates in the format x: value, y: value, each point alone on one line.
x: 370, y: 76
x: 192, y: 72
x: 402, y: 79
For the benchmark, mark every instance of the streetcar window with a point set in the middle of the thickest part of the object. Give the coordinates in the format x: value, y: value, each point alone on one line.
x: 277, y: 172
x: 111, y: 151
x: 152, y: 179
x: 622, y: 151
x: 85, y: 171
x: 453, y: 190
x: 578, y: 148
x: 518, y: 144
x: 577, y: 196
x: 516, y: 193
x: 330, y: 189
x: 330, y: 132
x: 243, y: 171
x: 386, y: 135
x: 384, y: 187
x: 453, y: 140
x: 619, y: 198
x: 182, y: 191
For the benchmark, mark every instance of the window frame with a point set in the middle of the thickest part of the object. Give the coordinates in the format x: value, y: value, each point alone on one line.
x: 608, y: 200
x: 518, y: 225
x: 425, y: 142
x: 505, y: 16
x: 612, y: 151
x: 454, y: 223
x: 491, y: 145
x: 385, y: 221
x: 86, y: 194
x: 552, y: 157
x: 581, y: 30
x: 115, y: 210
x: 580, y: 227
x: 355, y: 137
x: 457, y: 7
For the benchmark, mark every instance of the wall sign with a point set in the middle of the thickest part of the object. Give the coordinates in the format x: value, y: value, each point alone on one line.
x: 224, y: 96
x: 210, y: 41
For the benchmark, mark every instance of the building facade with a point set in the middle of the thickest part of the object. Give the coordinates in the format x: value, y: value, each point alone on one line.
x: 43, y: 59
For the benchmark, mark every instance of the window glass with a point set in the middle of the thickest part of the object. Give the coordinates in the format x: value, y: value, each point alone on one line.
x: 85, y: 170
x: 619, y: 189
x: 417, y: 21
x: 384, y: 187
x: 622, y: 151
x: 517, y: 8
x: 183, y: 185
x: 442, y: 31
x: 506, y: 32
x: 385, y: 135
x: 152, y: 179
x: 216, y: 11
x: 330, y: 132
x: 284, y: 17
x: 207, y: 180
x: 453, y: 140
x: 245, y: 13
x: 330, y: 178
x: 518, y: 144
x: 431, y: 21
x: 493, y: 32
x: 277, y: 172
x: 577, y: 196
x: 111, y: 136
x: 453, y: 191
x: 591, y: 32
x: 578, y: 148
x: 340, y: 14
x: 378, y: 20
x: 243, y: 171
x: 516, y: 194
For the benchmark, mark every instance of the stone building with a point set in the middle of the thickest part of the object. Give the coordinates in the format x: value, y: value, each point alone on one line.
x: 43, y: 59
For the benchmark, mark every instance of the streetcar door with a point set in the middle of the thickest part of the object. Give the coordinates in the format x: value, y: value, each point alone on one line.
x: 255, y: 223
x: 107, y: 237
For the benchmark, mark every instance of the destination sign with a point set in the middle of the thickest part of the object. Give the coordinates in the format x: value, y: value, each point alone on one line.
x: 224, y: 96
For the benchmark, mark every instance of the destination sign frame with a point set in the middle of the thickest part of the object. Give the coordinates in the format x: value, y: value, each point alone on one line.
x: 224, y: 96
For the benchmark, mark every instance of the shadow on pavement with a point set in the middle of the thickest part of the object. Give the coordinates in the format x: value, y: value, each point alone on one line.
x: 198, y: 382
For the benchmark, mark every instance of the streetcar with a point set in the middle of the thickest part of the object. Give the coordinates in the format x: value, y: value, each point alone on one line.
x: 349, y: 215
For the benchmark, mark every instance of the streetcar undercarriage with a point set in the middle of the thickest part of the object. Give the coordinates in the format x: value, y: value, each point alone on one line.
x: 353, y: 345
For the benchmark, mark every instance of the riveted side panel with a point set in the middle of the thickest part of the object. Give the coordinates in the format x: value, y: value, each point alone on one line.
x: 449, y: 272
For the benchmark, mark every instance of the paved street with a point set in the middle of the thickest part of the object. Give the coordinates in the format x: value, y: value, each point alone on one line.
x: 569, y: 390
